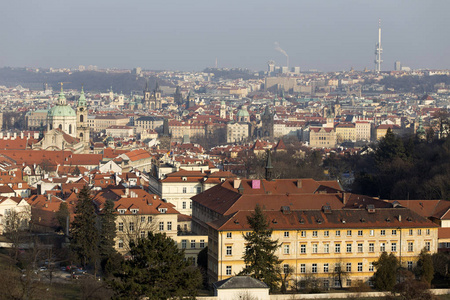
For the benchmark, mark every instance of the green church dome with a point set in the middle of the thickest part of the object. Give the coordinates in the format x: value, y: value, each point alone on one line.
x: 61, y: 111
x: 242, y: 113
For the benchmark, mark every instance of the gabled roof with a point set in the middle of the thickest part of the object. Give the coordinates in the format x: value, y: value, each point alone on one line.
x: 240, y: 282
x: 280, y: 145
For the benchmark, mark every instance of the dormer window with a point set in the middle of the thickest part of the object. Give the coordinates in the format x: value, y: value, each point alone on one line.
x: 163, y: 210
x: 134, y: 210
x: 121, y: 211
x: 184, y: 178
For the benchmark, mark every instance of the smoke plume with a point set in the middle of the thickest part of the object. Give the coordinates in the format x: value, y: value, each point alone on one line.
x: 278, y: 48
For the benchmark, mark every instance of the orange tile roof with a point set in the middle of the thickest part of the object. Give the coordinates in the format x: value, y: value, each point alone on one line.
x: 444, y: 233
x: 439, y: 209
x: 225, y: 199
x: 138, y: 154
x: 146, y: 206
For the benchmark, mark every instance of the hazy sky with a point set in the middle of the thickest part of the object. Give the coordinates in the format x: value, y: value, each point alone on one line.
x: 189, y: 35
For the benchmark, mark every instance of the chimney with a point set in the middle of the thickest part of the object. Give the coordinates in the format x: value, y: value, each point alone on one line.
x: 49, y: 197
x: 399, y: 218
x: 8, y: 135
x: 15, y: 135
x: 29, y: 135
x: 127, y: 192
x: 21, y: 135
x: 1, y: 135
x: 344, y: 197
x: 236, y: 183
x: 299, y: 184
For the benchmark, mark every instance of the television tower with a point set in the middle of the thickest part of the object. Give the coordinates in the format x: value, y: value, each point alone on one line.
x: 378, y: 50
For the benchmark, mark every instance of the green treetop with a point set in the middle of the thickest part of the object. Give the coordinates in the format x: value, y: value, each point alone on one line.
x: 84, y: 234
x: 259, y: 257
x: 386, y: 274
x: 156, y: 270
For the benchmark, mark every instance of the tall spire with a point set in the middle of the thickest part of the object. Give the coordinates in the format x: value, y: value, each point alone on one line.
x: 269, y: 165
x: 62, y: 97
x: 82, y: 99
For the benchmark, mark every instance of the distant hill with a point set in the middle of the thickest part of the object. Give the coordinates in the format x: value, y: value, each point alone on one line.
x: 91, y: 80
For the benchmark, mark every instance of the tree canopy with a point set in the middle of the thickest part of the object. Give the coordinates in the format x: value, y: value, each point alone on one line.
x: 259, y: 257
x: 424, y: 269
x: 157, y: 270
x: 84, y: 234
x: 404, y: 169
x: 386, y: 274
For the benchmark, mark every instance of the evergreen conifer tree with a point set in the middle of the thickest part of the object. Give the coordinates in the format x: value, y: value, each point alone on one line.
x: 259, y: 257
x: 386, y: 274
x: 62, y: 214
x: 156, y: 270
x: 425, y: 268
x: 108, y: 230
x: 110, y: 258
x: 389, y: 148
x: 84, y: 233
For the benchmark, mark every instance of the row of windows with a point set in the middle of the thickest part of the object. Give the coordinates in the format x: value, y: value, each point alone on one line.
x: 198, y: 190
x: 183, y: 242
x: 347, y: 267
x: 337, y: 268
x: 337, y: 233
x: 184, y: 204
x: 192, y: 244
x: 131, y: 225
x: 326, y: 268
x: 326, y: 233
x: 348, y: 248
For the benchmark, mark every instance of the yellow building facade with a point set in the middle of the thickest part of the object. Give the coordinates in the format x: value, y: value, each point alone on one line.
x: 345, y: 132
x: 349, y: 241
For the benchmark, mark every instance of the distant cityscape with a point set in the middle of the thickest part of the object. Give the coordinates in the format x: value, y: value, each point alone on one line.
x: 157, y: 183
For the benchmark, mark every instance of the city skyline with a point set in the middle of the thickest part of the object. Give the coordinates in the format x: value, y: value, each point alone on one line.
x: 324, y: 35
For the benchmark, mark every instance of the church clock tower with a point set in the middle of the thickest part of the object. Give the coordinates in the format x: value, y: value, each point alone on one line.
x: 82, y: 121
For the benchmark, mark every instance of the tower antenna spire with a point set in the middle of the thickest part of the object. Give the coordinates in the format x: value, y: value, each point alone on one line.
x: 378, y: 50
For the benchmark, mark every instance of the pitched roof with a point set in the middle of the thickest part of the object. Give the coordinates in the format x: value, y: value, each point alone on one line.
x: 439, y: 209
x: 240, y: 282
x: 299, y: 194
x: 280, y: 145
x: 137, y: 154
x: 337, y: 218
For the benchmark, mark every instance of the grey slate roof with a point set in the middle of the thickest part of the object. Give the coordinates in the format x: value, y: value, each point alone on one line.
x: 240, y: 282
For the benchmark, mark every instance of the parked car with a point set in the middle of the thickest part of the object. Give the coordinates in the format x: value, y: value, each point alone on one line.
x: 78, y: 275
x: 71, y: 268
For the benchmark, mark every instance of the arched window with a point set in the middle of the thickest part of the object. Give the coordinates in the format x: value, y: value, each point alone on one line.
x: 70, y: 129
x: 81, y: 134
x: 60, y: 126
x: 81, y: 118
